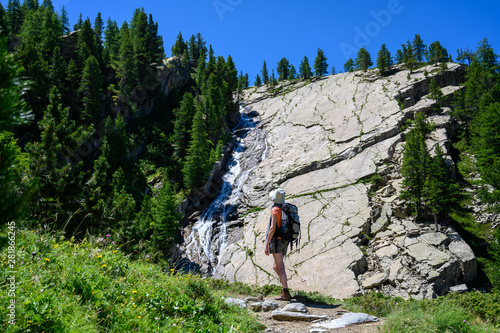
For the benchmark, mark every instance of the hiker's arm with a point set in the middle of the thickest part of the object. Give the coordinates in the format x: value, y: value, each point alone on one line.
x: 272, y: 229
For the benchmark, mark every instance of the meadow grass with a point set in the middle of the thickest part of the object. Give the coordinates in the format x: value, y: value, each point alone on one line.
x: 65, y: 286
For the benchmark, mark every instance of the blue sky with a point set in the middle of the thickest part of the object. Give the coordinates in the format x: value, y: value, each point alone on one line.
x: 256, y: 30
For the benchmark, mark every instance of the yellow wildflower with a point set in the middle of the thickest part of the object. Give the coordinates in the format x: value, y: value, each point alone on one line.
x: 55, y: 245
x: 99, y: 256
x: 139, y: 317
x: 104, y: 265
x: 134, y: 291
x: 132, y: 298
x: 47, y: 259
x: 115, y: 251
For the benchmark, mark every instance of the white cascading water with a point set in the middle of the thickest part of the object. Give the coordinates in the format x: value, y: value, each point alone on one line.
x: 200, y: 242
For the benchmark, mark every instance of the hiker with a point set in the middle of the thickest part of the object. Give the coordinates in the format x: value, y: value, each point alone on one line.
x: 276, y: 245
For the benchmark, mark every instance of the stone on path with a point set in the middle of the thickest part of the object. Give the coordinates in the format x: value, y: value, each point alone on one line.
x: 294, y: 316
x: 346, y: 320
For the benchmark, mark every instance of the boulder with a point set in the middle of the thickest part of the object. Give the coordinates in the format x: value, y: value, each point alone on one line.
x: 295, y: 307
x: 294, y: 316
x: 346, y: 320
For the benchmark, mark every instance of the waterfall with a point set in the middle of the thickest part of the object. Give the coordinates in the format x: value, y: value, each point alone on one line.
x: 208, y: 236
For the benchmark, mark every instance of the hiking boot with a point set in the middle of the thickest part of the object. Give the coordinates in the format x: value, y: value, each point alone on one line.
x: 285, y: 295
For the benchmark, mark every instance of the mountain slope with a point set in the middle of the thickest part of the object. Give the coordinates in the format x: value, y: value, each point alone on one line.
x: 324, y: 139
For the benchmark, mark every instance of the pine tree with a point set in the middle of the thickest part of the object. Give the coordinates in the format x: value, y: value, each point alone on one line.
x: 78, y: 25
x: 98, y: 25
x: 437, y: 53
x: 304, y: 69
x: 265, y: 73
x: 154, y: 43
x: 415, y: 163
x: 349, y: 66
x: 283, y: 69
x: 91, y: 89
x: 118, y: 140
x: 126, y: 73
x: 258, y: 81
x: 230, y: 76
x: 112, y: 39
x: 440, y: 192
x: 408, y: 56
x: 333, y: 70
x: 3, y: 19
x: 436, y: 94
x: 182, y: 126
x: 293, y: 73
x: 166, y: 220
x: 48, y: 4
x: 16, y: 183
x: 485, y: 55
x: 486, y: 140
x: 64, y: 20
x: 179, y: 47
x: 320, y: 64
x: 197, y: 164
x: 384, y: 60
x: 363, y: 60
x: 418, y: 47
x: 399, y: 57
x: 14, y: 16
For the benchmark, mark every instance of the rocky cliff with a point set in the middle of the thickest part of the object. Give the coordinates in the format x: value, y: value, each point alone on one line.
x: 323, y: 141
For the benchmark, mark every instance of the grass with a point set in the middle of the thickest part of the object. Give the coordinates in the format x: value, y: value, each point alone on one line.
x: 92, y: 286
x: 63, y: 286
x: 471, y: 312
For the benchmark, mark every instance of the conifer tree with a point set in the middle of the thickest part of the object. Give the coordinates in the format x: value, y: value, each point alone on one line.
x: 197, y: 160
x: 437, y: 53
x: 230, y: 76
x: 418, y: 47
x: 293, y: 73
x: 16, y: 183
x: 265, y: 73
x: 349, y: 66
x: 333, y: 70
x: 485, y: 55
x: 283, y: 69
x: 179, y: 47
x: 118, y: 140
x: 399, y: 57
x: 78, y: 25
x: 440, y: 192
x: 91, y: 88
x: 154, y: 42
x: 64, y: 21
x: 3, y: 19
x: 258, y: 81
x: 415, y: 163
x: 436, y: 94
x: 99, y: 25
x: 304, y: 69
x: 182, y: 126
x: 112, y: 39
x: 165, y: 219
x: 126, y: 73
x: 384, y: 60
x: 408, y: 56
x: 48, y: 4
x: 363, y: 60
x: 320, y: 64
x: 14, y: 16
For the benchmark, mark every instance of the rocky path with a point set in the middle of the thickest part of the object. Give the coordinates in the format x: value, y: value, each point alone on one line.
x: 303, y: 316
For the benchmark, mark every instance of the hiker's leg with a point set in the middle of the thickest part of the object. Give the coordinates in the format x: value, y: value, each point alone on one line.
x: 279, y: 268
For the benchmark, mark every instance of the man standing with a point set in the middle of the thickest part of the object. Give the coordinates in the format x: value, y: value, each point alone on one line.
x: 275, y: 244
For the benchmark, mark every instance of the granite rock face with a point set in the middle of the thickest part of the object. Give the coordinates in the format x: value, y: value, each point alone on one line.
x: 323, y: 142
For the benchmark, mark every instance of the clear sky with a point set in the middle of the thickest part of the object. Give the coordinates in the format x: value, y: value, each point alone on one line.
x: 252, y: 31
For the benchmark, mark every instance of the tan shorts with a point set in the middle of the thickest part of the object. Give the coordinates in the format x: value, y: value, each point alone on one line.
x: 277, y: 245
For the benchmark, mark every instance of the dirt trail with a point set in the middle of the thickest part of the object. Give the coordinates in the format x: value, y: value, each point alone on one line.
x: 330, y: 311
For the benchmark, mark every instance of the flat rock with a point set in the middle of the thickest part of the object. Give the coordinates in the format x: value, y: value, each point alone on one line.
x: 346, y: 320
x: 429, y: 254
x: 462, y: 288
x: 434, y: 238
x: 294, y: 316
